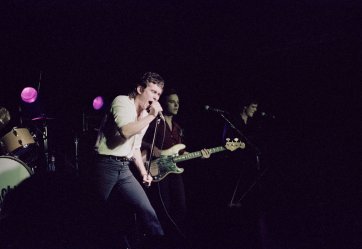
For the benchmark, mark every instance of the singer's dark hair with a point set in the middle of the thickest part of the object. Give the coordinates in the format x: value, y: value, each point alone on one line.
x: 147, y: 78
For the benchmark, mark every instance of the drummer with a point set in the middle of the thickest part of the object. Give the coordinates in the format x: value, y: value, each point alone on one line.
x: 4, y: 117
x: 4, y: 120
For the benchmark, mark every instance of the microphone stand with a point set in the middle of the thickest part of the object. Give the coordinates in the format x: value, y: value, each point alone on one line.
x: 257, y: 154
x: 152, y: 145
x: 245, y: 139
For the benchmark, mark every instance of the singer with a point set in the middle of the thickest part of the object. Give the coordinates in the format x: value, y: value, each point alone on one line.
x: 168, y: 196
x: 117, y: 148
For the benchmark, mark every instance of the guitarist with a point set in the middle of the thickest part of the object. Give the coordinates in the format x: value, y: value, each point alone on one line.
x: 168, y: 195
x: 244, y: 169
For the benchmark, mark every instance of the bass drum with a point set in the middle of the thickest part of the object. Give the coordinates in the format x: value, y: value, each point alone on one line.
x: 12, y: 172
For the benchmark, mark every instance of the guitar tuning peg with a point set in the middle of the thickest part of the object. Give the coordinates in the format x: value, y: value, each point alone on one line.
x: 228, y: 139
x: 236, y: 139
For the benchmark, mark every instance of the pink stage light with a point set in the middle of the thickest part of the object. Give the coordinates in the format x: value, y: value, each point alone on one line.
x: 29, y: 95
x: 98, y: 103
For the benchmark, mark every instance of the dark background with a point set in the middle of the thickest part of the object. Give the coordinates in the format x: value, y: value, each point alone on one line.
x: 301, y: 58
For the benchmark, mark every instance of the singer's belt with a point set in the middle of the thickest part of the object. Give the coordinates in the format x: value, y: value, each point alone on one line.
x: 117, y: 158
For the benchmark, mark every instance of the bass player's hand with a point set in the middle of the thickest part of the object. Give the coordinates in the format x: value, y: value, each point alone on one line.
x: 205, y: 153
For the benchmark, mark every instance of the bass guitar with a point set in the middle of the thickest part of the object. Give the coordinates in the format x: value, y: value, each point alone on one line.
x: 166, y: 163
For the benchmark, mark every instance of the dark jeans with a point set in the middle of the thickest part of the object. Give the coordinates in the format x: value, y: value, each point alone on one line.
x: 114, y: 181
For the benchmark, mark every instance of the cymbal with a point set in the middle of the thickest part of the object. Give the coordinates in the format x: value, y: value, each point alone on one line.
x: 41, y: 118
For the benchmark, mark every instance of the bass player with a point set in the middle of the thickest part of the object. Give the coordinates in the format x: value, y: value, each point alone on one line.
x: 168, y: 196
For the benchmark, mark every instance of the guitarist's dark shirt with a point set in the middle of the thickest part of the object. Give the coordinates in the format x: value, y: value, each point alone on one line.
x: 165, y: 138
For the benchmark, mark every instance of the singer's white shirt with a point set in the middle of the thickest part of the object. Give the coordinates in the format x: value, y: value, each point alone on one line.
x: 110, y: 141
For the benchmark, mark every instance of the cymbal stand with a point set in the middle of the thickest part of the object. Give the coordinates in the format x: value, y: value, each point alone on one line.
x: 49, y: 159
x: 76, y: 142
x: 45, y: 145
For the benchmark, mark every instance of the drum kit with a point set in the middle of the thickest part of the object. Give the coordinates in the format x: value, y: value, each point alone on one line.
x: 23, y: 152
x: 24, y: 149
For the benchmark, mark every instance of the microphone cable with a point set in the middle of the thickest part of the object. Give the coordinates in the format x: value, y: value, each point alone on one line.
x: 159, y: 188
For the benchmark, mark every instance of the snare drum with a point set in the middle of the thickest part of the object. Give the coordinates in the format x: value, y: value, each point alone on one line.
x: 12, y: 172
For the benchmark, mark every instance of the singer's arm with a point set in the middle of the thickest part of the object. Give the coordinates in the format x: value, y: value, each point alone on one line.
x: 125, y: 117
x: 135, y: 127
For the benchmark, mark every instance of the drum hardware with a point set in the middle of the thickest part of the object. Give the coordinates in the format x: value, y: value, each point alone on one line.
x: 42, y: 118
x: 41, y: 125
x: 49, y: 158
x: 76, y: 142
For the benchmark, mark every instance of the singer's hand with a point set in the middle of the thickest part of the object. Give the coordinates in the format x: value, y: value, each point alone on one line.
x: 155, y: 108
x: 146, y: 180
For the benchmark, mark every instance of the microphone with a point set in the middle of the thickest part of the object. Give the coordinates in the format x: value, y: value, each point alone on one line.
x: 208, y: 108
x: 267, y: 115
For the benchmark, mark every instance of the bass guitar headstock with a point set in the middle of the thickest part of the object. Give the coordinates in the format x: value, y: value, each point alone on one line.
x: 234, y: 144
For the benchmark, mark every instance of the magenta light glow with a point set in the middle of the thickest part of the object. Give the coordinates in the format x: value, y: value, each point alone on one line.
x: 98, y: 103
x: 29, y: 94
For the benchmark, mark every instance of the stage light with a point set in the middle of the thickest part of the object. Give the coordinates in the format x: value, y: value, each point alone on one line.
x: 29, y: 95
x: 98, y: 103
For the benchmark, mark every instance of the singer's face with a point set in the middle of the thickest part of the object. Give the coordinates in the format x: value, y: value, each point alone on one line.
x: 172, y: 104
x: 149, y: 94
x: 251, y: 109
